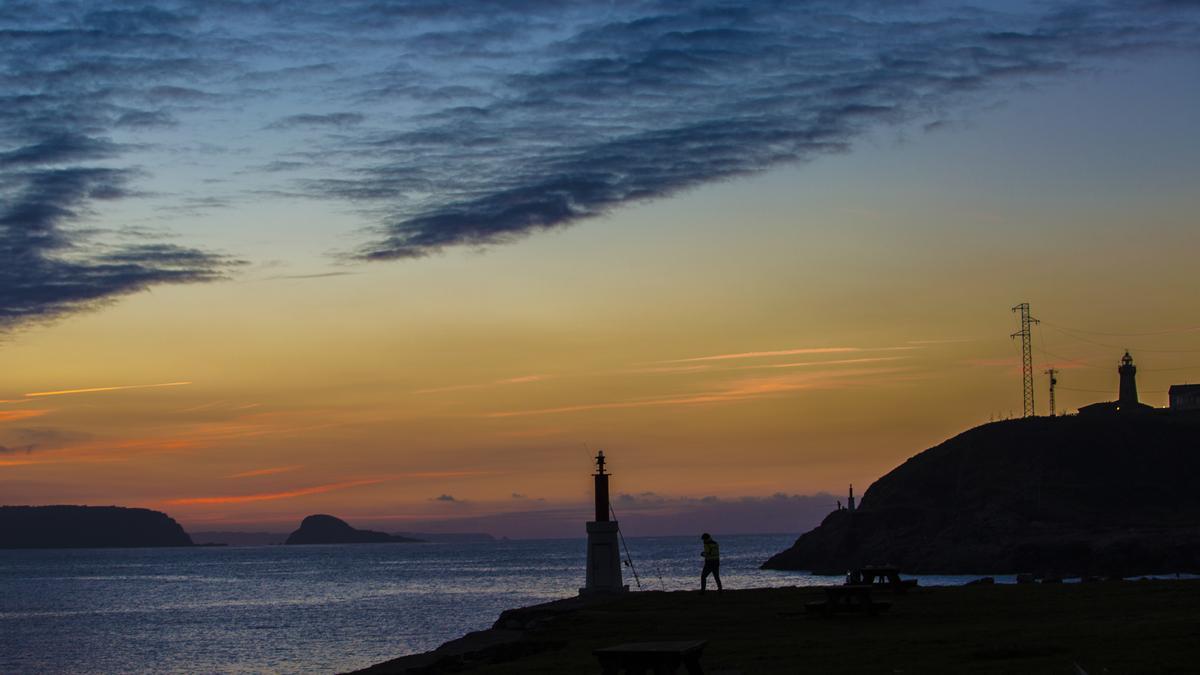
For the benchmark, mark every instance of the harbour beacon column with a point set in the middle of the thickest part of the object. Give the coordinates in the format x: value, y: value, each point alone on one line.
x: 603, y: 552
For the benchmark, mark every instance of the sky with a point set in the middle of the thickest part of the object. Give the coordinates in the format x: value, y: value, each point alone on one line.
x: 413, y: 264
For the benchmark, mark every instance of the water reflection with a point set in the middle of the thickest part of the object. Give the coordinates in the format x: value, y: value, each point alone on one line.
x: 308, y: 608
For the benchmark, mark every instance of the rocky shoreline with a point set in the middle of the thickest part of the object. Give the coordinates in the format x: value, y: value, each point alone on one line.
x: 512, y: 636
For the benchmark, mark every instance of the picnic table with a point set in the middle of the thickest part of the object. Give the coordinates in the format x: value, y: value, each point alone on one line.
x: 880, y: 577
x: 848, y: 598
x: 659, y: 658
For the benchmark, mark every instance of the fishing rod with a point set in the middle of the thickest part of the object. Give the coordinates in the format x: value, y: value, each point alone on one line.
x: 628, y: 557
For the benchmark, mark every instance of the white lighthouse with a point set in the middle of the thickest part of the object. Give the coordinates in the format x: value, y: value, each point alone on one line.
x: 603, y: 548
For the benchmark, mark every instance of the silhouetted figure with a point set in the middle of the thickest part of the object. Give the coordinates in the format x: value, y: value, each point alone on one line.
x: 712, y: 562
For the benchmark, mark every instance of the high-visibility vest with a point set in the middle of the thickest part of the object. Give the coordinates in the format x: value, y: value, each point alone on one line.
x: 711, y: 550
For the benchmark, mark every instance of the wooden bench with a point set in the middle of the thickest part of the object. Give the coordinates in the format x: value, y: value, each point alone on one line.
x: 659, y: 658
x: 849, y: 598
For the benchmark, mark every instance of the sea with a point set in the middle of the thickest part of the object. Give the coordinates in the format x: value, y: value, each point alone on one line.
x: 305, y: 609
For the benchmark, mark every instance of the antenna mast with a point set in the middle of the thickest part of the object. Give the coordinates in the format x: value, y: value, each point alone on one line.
x: 1026, y: 336
x: 1052, y: 372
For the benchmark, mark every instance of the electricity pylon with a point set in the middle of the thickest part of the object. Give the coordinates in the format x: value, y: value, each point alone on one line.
x: 1026, y: 336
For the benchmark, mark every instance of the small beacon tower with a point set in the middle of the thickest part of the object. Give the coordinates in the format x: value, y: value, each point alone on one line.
x: 850, y: 500
x: 1128, y: 398
x: 603, y: 550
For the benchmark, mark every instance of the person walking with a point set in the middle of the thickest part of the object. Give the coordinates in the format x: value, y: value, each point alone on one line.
x: 712, y: 562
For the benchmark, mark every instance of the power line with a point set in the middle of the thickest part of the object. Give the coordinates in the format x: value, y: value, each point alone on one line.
x: 1068, y: 360
x: 1108, y: 391
x: 1080, y: 362
x: 1172, y: 331
x: 1112, y: 346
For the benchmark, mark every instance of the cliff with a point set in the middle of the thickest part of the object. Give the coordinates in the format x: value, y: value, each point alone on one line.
x: 87, y: 527
x: 1102, y: 495
x: 323, y: 529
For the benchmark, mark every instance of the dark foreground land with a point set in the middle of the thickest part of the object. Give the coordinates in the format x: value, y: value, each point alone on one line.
x: 1083, y: 495
x: 1103, y: 627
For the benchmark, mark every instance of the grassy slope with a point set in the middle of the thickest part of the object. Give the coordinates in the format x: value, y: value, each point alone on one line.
x: 1124, y: 627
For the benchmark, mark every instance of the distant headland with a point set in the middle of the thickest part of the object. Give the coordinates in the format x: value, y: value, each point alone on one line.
x: 87, y: 527
x: 1089, y: 494
x: 325, y: 529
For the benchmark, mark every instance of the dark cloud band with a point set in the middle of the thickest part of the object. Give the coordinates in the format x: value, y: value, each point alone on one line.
x: 470, y: 123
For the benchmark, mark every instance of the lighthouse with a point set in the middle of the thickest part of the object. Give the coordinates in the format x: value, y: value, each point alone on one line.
x: 603, y: 551
x: 1127, y: 398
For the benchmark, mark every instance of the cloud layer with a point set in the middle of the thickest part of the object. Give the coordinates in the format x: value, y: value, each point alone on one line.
x: 470, y: 123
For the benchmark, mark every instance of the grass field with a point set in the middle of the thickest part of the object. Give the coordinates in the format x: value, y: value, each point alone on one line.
x: 1103, y: 627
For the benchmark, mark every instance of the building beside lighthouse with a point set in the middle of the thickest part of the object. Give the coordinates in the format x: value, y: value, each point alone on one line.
x: 1184, y: 397
x: 603, y: 545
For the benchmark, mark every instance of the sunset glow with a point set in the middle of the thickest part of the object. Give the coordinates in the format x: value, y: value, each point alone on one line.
x: 381, y: 258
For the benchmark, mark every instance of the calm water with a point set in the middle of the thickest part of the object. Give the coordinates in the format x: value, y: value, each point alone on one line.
x: 308, y: 608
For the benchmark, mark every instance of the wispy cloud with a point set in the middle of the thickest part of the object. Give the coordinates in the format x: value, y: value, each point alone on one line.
x: 491, y: 122
x: 792, y: 352
x: 24, y: 414
x: 20, y: 462
x: 319, y: 489
x: 338, y: 120
x: 833, y: 362
x: 315, y: 275
x: 765, y: 354
x: 91, y: 390
x: 1003, y: 362
x: 661, y: 370
x: 265, y: 472
x: 37, y: 439
x: 522, y: 379
x: 742, y: 390
x: 271, y: 496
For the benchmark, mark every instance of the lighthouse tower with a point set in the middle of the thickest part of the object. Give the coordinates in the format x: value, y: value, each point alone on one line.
x: 603, y: 551
x: 1127, y: 399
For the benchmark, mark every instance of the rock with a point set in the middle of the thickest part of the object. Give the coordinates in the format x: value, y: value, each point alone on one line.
x: 324, y: 529
x: 1078, y: 495
x: 87, y: 527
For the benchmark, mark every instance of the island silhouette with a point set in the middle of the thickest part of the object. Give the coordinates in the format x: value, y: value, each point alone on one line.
x: 64, y: 526
x: 325, y: 529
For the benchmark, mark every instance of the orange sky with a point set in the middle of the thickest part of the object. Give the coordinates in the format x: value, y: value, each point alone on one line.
x: 793, y: 332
